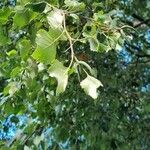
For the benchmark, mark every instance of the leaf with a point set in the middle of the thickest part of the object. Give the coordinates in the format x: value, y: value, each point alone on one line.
x: 41, y: 67
x: 11, y: 88
x: 38, y: 139
x: 11, y: 53
x: 15, y: 72
x: 4, y: 14
x: 94, y: 45
x: 74, y: 5
x: 60, y: 72
x: 55, y: 18
x: 24, y: 47
x: 45, y: 55
x: 46, y: 45
x: 90, y: 32
x: 103, y: 47
x: 101, y: 17
x: 37, y: 7
x: 90, y: 85
x: 3, y: 36
x: 23, y: 17
x: 27, y: 148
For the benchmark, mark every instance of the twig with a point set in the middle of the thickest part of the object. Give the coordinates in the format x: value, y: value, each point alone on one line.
x: 70, y: 41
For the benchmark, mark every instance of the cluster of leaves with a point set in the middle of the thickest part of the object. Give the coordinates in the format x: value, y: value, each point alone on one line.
x: 52, y: 61
x: 34, y: 31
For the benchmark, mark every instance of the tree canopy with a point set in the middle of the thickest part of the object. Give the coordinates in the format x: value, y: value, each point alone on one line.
x: 75, y: 74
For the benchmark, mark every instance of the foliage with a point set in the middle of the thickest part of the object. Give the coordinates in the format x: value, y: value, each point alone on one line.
x: 78, y: 68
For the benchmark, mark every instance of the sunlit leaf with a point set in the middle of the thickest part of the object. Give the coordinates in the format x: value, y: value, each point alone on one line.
x: 15, y: 72
x: 94, y: 45
x: 55, y: 18
x: 27, y: 148
x: 11, y: 53
x: 4, y: 14
x: 90, y: 85
x: 38, y: 139
x: 11, y: 88
x: 74, y: 5
x: 60, y: 72
x: 46, y: 45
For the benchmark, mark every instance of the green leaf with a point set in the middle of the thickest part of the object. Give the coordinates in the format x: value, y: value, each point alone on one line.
x: 11, y: 53
x: 4, y: 14
x: 46, y: 45
x: 101, y: 17
x: 11, y: 88
x: 23, y: 17
x: 3, y: 36
x: 37, y: 7
x: 74, y: 5
x: 90, y: 85
x: 89, y: 30
x: 103, y: 47
x: 24, y: 47
x: 60, y: 72
x: 15, y: 72
x: 8, y: 107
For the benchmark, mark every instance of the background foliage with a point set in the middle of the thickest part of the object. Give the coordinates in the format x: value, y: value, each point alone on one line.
x: 75, y: 74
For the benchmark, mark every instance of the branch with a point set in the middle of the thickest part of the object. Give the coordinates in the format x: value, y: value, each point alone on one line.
x: 139, y: 53
x: 141, y: 21
x: 70, y: 41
